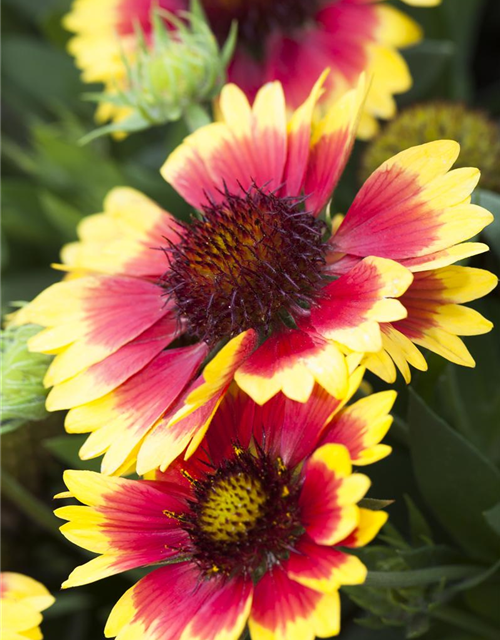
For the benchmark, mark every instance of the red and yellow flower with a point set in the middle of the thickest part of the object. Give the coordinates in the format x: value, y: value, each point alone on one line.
x: 257, y: 280
x: 256, y: 526
x: 22, y: 599
x: 417, y: 211
x: 292, y: 41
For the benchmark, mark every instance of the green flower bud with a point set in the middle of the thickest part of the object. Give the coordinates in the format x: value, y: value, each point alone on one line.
x: 23, y: 394
x: 479, y: 138
x: 171, y: 76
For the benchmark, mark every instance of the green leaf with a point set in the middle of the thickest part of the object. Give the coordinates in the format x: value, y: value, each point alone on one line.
x: 12, y: 425
x: 196, y: 116
x: 462, y: 29
x: 430, y: 555
x: 230, y: 44
x: 65, y: 167
x: 31, y: 11
x: 392, y: 537
x: 196, y: 9
x: 374, y: 505
x: 457, y: 482
x: 419, y: 528
x: 55, y: 163
x: 420, y: 577
x: 418, y: 625
x: 459, y: 617
x: 65, y: 449
x: 370, y: 622
x: 484, y: 600
x: 493, y: 518
x: 64, y: 216
x: 472, y: 396
x: 474, y: 581
x: 22, y: 219
x: 43, y: 74
x: 351, y: 630
x: 4, y: 253
x: 427, y: 62
x: 134, y: 122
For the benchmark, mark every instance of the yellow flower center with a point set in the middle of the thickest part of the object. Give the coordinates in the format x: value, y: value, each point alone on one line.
x: 243, y: 515
x: 232, y: 507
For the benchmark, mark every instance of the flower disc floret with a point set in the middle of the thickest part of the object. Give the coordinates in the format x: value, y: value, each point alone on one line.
x: 245, y: 515
x: 251, y: 259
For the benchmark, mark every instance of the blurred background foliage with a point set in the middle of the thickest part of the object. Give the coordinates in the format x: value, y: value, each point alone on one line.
x: 435, y: 570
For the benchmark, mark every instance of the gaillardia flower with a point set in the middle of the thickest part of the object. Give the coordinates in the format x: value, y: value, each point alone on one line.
x: 292, y: 41
x: 255, y: 527
x: 257, y: 286
x: 22, y: 599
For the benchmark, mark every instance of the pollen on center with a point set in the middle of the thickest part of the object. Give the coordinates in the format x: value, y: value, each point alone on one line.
x: 232, y: 507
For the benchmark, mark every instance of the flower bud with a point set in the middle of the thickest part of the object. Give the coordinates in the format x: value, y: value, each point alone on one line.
x: 179, y: 68
x: 23, y: 393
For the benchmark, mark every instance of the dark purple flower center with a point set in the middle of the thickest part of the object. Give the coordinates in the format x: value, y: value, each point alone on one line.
x: 252, y: 261
x: 257, y: 18
x: 244, y: 516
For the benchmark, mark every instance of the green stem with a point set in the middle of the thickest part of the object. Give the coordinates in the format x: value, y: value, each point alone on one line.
x: 465, y: 621
x: 196, y: 116
x: 29, y: 505
x: 419, y: 577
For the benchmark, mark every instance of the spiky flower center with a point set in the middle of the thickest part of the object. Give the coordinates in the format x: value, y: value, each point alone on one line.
x: 231, y: 507
x: 257, y: 18
x: 244, y: 516
x: 252, y: 261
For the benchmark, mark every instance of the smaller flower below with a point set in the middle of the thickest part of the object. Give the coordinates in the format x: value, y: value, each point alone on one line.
x: 22, y: 600
x: 256, y: 526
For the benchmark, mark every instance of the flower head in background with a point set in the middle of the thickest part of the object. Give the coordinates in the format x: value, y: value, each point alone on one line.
x: 256, y: 526
x: 292, y: 41
x: 477, y: 134
x: 22, y: 600
x: 257, y: 286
